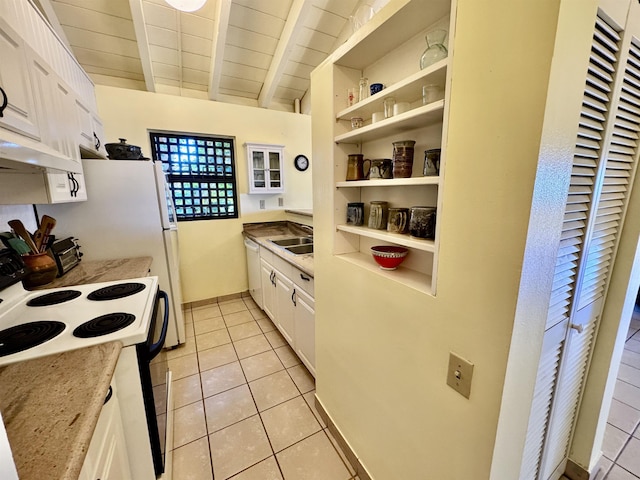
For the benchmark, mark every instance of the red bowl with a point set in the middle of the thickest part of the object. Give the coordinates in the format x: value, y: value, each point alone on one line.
x: 389, y: 256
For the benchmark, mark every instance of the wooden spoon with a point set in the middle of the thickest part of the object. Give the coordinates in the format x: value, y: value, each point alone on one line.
x: 41, y: 237
x: 18, y: 227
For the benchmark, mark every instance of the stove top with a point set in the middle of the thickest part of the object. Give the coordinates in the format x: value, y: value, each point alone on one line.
x: 38, y: 323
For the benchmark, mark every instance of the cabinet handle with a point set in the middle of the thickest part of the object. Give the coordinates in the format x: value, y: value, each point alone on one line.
x: 75, y: 186
x: 293, y: 298
x: 273, y: 278
x: 306, y: 279
x: 5, y: 101
x: 109, y: 395
x: 97, y: 143
x: 577, y: 327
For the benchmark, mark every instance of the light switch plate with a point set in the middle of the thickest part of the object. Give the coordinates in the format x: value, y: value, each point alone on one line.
x: 261, y: 204
x: 280, y: 202
x: 459, y: 374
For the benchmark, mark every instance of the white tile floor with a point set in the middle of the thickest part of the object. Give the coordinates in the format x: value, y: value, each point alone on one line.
x: 621, y: 446
x: 244, y: 404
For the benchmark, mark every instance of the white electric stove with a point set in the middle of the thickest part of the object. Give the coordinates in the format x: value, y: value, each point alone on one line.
x: 44, y: 322
x: 38, y: 323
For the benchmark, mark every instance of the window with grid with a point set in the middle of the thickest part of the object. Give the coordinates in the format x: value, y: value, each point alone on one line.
x: 200, y: 172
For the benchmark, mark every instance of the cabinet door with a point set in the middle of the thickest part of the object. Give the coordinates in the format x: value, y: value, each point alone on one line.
x: 285, y: 307
x: 66, y: 187
x: 265, y: 168
x: 85, y: 125
x: 19, y: 114
x: 98, y: 135
x: 275, y: 170
x: 305, y: 329
x: 268, y: 289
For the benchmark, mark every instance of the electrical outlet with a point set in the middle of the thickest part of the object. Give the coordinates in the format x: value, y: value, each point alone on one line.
x: 280, y: 201
x: 261, y: 204
x: 460, y: 374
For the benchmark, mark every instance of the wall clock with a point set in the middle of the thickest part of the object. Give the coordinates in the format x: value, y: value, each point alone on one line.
x: 301, y: 162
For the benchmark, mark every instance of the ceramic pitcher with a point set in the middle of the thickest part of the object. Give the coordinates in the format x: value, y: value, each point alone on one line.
x: 355, y: 167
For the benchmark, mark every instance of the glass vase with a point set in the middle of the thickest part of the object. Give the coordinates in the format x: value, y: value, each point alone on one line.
x: 435, y: 48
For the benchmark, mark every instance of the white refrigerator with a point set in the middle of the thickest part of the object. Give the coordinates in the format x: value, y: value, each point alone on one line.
x: 129, y: 213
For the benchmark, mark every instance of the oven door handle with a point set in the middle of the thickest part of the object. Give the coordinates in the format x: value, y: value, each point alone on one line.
x: 155, y: 348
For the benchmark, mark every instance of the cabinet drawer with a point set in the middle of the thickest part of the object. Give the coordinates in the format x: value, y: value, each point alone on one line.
x: 282, y: 265
x: 303, y: 280
x: 266, y: 255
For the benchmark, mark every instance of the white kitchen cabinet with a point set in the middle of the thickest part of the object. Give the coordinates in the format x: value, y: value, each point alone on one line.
x: 288, y: 301
x: 90, y: 130
x: 285, y: 307
x: 19, y: 113
x: 304, y: 318
x: 265, y: 168
x: 41, y: 81
x: 267, y: 274
x: 107, y: 457
x: 386, y: 49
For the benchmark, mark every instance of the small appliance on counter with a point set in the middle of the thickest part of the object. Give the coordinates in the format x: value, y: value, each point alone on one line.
x: 66, y: 253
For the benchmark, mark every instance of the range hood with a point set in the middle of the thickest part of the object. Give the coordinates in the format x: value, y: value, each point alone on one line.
x: 19, y: 153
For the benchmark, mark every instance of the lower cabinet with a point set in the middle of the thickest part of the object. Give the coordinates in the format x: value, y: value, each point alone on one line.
x: 285, y: 307
x: 107, y: 457
x: 289, y: 303
x: 305, y: 328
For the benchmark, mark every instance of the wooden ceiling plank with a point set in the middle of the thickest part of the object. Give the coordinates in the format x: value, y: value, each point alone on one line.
x: 223, y: 11
x: 143, y: 43
x: 295, y: 22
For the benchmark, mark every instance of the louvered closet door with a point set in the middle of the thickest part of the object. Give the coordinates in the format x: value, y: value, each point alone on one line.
x: 604, y: 162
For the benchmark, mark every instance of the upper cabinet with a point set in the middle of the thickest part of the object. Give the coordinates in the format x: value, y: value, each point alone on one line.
x: 17, y: 108
x: 50, y: 117
x: 403, y: 121
x: 265, y: 167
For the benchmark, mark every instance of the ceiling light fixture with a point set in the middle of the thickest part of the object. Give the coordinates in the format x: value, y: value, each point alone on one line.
x: 186, y: 5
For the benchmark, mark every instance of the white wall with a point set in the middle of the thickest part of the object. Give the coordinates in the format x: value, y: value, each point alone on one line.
x: 211, y: 251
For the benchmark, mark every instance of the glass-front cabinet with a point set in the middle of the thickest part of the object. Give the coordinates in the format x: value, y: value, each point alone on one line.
x: 265, y: 168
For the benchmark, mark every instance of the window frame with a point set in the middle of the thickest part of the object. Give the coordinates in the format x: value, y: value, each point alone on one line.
x: 209, y: 170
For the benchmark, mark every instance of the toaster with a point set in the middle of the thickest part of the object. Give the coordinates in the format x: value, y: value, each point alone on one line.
x: 66, y: 253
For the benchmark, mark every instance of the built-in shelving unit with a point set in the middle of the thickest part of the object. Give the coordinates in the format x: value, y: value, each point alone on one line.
x: 387, y: 50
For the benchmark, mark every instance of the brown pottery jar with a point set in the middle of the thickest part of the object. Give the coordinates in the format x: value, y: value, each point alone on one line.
x: 42, y: 270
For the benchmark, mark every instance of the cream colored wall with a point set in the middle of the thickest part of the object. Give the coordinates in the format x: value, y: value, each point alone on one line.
x: 212, y: 254
x: 382, y: 350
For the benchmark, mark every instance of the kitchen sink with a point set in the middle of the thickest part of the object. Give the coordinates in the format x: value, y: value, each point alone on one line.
x: 300, y: 249
x: 287, y: 242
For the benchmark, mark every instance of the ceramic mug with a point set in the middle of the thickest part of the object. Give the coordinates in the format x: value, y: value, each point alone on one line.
x: 422, y: 222
x: 355, y: 213
x: 431, y: 162
x: 378, y: 215
x: 381, y: 168
x: 398, y: 220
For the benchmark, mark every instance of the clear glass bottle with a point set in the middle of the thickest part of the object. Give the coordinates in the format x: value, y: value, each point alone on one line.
x: 364, y: 89
x: 435, y: 48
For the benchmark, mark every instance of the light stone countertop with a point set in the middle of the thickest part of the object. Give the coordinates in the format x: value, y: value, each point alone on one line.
x: 261, y: 233
x: 50, y: 407
x: 96, y: 271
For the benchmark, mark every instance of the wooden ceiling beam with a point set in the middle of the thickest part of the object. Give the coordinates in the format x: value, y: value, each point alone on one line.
x: 140, y: 29
x: 220, y: 27
x: 292, y: 27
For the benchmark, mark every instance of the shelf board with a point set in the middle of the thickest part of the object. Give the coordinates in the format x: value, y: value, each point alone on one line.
x: 416, y: 118
x: 393, y: 25
x: 407, y: 90
x: 391, y: 182
x: 410, y: 278
x: 396, y: 238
